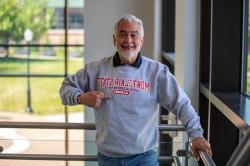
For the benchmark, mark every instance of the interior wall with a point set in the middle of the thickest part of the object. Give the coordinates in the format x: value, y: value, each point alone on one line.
x: 187, y: 47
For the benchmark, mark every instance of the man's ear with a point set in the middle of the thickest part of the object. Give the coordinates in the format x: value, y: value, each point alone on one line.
x: 142, y: 40
x: 114, y: 39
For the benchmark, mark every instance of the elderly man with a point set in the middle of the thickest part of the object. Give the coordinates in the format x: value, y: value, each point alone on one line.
x: 124, y: 90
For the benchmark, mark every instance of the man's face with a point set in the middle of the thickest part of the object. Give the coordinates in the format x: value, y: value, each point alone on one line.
x: 128, y: 41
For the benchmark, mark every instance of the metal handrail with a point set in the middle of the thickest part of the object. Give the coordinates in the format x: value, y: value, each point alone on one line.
x: 85, y: 126
x: 171, y: 127
x: 48, y: 157
x: 206, y: 159
x: 240, y: 155
x: 48, y: 125
x: 65, y: 157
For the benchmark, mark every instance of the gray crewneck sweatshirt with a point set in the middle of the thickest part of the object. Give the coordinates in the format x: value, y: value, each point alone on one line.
x: 127, y: 123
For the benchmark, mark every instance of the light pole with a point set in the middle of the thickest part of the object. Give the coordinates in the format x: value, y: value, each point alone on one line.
x: 28, y: 35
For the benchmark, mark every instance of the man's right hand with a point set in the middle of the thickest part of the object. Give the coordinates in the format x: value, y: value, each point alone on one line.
x: 93, y: 99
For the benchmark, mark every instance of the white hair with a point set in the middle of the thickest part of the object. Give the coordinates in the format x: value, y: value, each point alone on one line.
x: 130, y: 18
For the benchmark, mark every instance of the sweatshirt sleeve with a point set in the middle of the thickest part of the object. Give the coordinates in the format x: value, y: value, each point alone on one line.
x: 73, y: 86
x: 173, y: 98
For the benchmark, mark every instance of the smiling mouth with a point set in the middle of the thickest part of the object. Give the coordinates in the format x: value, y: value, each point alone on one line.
x: 127, y: 47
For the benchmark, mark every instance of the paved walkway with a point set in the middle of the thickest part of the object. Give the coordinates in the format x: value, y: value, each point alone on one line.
x: 40, y: 141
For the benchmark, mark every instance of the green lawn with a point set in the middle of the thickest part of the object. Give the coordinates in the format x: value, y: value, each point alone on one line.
x: 38, y: 66
x: 44, y: 91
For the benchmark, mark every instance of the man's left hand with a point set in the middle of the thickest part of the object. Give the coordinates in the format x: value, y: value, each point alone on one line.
x: 200, y: 143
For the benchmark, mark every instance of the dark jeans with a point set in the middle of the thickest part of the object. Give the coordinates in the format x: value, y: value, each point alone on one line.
x: 145, y: 159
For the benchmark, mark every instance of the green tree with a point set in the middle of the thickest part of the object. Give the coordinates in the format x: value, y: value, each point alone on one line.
x: 18, y: 15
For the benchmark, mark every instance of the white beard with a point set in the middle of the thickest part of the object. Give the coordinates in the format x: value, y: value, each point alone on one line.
x: 128, y: 54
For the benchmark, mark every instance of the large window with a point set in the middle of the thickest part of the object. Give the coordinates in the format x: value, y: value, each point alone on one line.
x: 224, y: 75
x: 55, y: 50
x: 31, y: 72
